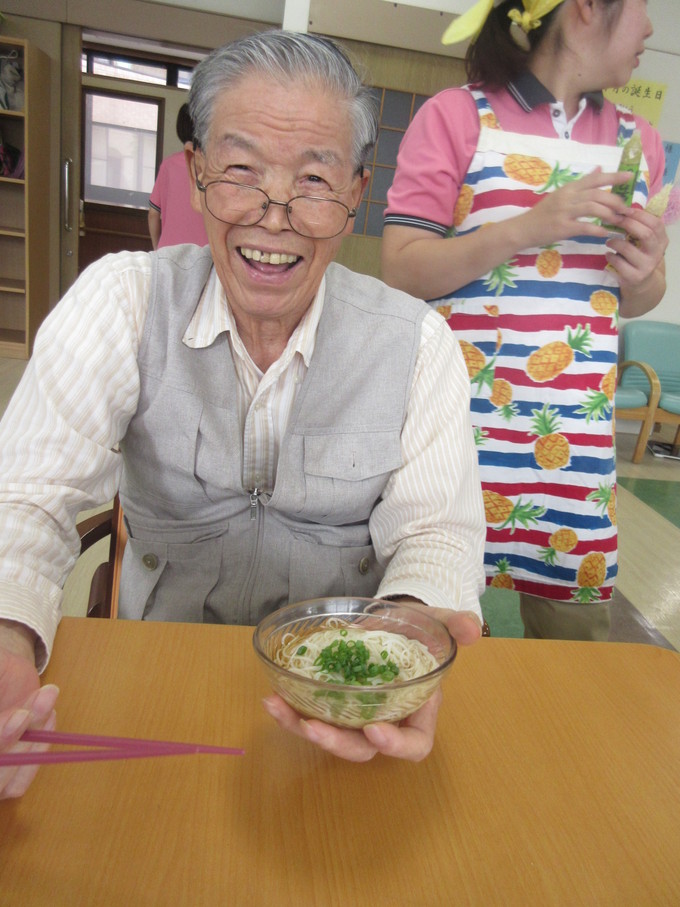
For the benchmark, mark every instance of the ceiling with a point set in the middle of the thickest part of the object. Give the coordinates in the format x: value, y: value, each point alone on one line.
x: 414, y: 24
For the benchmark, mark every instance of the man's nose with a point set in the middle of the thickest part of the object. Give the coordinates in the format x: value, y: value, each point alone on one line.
x: 276, y: 215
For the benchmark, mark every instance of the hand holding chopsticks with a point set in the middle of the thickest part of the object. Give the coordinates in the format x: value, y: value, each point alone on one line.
x: 106, y: 748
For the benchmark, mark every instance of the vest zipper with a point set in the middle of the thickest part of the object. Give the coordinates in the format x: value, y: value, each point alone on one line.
x: 254, y: 495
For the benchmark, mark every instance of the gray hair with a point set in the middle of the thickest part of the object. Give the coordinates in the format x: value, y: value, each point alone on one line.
x: 285, y: 55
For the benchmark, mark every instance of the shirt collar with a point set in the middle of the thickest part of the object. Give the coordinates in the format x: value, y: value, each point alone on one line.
x: 213, y: 317
x: 529, y: 93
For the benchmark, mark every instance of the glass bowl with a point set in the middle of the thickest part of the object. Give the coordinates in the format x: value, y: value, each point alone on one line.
x: 351, y: 705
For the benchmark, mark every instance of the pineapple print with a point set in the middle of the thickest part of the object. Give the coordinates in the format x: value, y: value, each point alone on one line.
x: 479, y: 435
x: 444, y: 311
x: 592, y: 573
x: 492, y: 310
x: 598, y: 403
x: 549, y: 262
x: 550, y: 360
x: 501, y: 277
x: 533, y: 171
x: 499, y: 509
x: 563, y: 540
x: 606, y: 304
x: 489, y: 120
x: 502, y: 579
x: 475, y: 360
x: 605, y: 500
x: 501, y: 397
x: 525, y: 169
x: 479, y: 370
x: 551, y: 450
x: 463, y: 205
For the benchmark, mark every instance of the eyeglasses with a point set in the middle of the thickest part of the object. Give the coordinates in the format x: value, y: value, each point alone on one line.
x: 245, y: 206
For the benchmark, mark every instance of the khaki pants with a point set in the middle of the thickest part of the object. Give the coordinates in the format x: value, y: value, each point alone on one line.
x: 547, y: 619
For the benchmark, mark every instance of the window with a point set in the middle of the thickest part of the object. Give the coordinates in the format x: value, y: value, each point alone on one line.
x: 137, y: 67
x: 397, y: 109
x: 121, y: 148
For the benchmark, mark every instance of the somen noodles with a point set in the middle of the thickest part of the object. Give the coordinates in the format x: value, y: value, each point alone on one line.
x: 343, y: 653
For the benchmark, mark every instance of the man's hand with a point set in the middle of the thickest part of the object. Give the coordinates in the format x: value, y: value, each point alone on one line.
x: 411, y: 739
x: 23, y: 704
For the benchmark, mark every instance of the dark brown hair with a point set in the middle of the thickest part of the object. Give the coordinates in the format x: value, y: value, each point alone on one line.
x: 494, y: 59
x: 184, y: 125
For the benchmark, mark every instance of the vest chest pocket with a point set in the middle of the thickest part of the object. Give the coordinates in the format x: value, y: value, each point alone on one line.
x: 346, y: 474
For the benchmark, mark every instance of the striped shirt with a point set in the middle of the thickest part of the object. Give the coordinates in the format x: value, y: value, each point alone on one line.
x: 59, y: 443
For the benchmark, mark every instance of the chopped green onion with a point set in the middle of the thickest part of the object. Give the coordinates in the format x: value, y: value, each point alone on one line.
x: 301, y: 650
x: 349, y: 662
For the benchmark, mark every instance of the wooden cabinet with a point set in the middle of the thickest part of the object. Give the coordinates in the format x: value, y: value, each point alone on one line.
x: 24, y: 195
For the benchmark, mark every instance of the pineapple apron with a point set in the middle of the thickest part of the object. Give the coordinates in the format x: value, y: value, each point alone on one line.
x: 539, y: 337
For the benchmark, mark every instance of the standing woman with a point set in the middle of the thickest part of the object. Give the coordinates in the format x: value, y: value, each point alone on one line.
x: 496, y: 216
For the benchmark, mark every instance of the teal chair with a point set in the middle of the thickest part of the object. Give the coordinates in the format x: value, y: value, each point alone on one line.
x: 649, y: 379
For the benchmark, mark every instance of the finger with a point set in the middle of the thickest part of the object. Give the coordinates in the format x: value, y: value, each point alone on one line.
x: 413, y: 738
x: 464, y: 626
x: 15, y: 781
x: 345, y: 743
x: 38, y: 713
x: 42, y: 702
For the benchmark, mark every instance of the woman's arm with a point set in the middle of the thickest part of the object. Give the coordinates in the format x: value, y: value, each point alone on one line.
x: 428, y: 265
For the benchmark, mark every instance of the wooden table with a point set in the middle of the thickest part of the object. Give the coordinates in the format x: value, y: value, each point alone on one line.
x: 555, y: 780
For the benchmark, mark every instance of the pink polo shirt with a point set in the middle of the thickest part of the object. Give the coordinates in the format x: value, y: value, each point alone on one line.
x: 171, y: 197
x: 438, y: 146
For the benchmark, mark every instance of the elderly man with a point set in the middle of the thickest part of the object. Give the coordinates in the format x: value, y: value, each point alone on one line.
x: 278, y: 427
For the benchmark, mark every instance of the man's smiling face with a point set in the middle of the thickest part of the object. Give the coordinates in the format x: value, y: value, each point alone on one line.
x: 288, y: 139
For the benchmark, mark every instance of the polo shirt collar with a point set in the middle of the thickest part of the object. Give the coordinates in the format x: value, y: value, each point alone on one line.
x: 529, y: 93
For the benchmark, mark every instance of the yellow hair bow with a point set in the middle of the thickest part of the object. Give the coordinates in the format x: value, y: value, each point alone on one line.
x: 471, y: 22
x: 534, y: 10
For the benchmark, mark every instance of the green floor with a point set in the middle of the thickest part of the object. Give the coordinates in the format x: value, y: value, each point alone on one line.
x: 659, y: 495
x: 500, y: 608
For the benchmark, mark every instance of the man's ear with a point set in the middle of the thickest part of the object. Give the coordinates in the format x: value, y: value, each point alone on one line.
x: 193, y: 157
x: 362, y: 182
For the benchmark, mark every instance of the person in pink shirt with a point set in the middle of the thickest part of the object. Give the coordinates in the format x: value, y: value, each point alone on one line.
x: 172, y: 219
x: 505, y: 214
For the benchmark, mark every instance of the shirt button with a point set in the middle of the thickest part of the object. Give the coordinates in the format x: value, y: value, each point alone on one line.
x: 150, y: 561
x: 556, y: 113
x: 364, y: 564
x: 567, y: 134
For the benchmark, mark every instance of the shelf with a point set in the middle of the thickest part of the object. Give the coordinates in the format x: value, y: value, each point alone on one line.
x: 12, y: 344
x: 12, y: 286
x: 24, y: 228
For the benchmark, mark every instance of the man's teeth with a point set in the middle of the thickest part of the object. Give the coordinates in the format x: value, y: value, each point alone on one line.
x: 269, y: 258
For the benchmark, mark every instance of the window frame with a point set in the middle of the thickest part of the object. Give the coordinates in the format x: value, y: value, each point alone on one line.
x: 159, y: 102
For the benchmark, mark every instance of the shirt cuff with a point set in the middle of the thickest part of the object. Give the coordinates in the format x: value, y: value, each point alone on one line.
x: 26, y: 607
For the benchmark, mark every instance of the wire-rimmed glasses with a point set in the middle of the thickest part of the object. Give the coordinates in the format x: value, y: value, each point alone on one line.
x: 245, y: 206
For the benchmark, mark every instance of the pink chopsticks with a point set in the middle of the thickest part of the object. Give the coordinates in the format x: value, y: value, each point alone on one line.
x: 106, y: 748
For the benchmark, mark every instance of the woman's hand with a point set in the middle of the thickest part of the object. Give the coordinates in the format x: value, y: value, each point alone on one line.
x: 411, y: 739
x: 577, y: 209
x: 637, y: 252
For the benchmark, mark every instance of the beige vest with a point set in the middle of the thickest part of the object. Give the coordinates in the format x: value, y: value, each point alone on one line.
x: 199, y: 549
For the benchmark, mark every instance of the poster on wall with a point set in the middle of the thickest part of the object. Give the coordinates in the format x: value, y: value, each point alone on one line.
x: 642, y: 97
x: 672, y: 152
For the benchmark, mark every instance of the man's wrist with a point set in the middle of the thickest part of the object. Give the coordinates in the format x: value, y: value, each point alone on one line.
x: 18, y: 639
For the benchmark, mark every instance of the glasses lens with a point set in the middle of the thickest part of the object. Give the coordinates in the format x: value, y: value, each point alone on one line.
x: 235, y: 204
x: 319, y: 218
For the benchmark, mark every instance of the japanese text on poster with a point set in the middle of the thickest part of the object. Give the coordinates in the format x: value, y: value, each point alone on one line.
x: 642, y: 97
